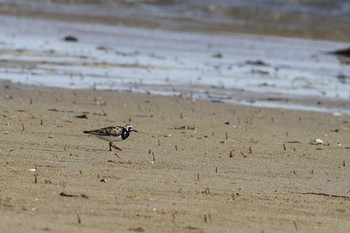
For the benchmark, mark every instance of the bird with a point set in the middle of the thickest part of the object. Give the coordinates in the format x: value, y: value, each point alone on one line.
x: 113, y: 134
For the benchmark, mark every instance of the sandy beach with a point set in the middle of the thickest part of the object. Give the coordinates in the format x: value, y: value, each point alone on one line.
x: 211, y: 155
x: 193, y: 167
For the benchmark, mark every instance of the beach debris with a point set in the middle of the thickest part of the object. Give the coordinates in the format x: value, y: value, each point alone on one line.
x: 185, y: 127
x: 36, y: 178
x: 103, y: 180
x: 207, y: 217
x: 218, y: 55
x: 244, y: 156
x: 70, y: 38
x: 53, y: 110
x: 256, y: 63
x: 261, y: 72
x: 343, y: 55
x: 265, y: 84
x: 293, y: 142
x: 78, y: 219
x: 176, y: 147
x: 231, y: 153
x: 206, y: 191
x: 317, y: 142
x: 100, y: 114
x: 326, y: 195
x: 284, y: 146
x: 101, y: 47
x: 343, y: 52
x: 295, y: 225
x: 83, y: 116
x: 342, y: 78
x: 62, y: 194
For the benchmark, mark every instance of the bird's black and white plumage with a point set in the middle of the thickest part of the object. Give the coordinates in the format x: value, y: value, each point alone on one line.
x: 112, y: 134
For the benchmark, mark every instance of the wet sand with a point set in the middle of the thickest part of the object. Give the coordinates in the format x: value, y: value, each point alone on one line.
x: 231, y: 168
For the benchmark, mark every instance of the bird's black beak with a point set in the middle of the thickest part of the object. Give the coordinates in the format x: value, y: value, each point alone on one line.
x: 135, y: 130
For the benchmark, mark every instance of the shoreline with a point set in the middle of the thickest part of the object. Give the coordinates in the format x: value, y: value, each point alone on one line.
x: 245, y: 168
x: 202, y: 66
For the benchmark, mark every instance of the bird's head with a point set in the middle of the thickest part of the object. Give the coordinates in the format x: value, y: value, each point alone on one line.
x: 129, y: 128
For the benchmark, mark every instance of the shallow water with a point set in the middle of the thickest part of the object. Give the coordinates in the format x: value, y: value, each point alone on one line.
x: 230, y: 68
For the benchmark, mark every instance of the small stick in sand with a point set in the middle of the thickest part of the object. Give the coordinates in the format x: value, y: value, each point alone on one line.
x: 79, y: 219
x: 295, y: 225
x: 231, y: 153
x: 36, y: 175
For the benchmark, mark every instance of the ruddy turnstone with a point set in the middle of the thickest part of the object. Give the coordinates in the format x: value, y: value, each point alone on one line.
x: 113, y: 134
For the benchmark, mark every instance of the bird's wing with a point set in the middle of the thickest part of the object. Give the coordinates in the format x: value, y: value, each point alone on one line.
x: 107, y: 131
x: 114, y: 130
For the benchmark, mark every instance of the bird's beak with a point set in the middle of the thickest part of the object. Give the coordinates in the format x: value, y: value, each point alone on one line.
x: 135, y: 130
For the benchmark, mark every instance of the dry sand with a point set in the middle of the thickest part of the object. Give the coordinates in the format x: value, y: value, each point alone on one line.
x: 240, y: 169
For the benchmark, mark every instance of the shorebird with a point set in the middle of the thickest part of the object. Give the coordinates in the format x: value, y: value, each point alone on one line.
x: 112, y: 134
